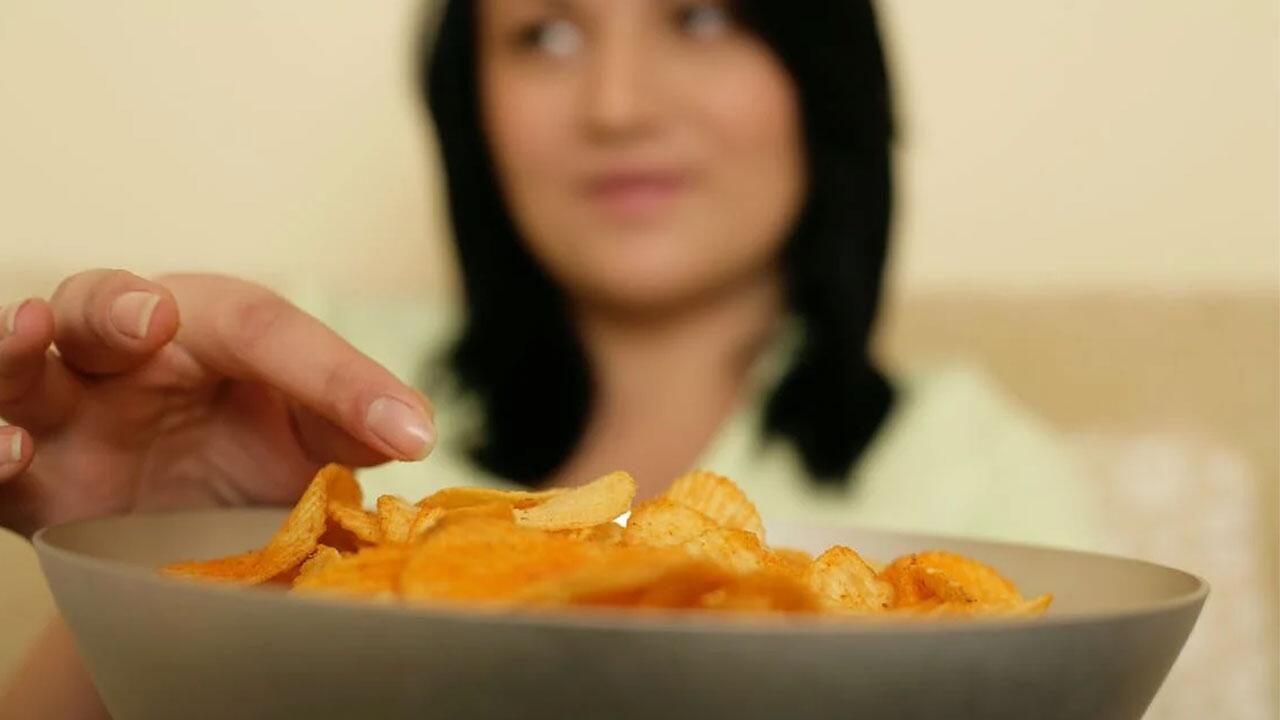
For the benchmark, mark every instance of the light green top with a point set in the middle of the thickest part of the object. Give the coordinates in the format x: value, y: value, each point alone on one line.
x: 955, y: 457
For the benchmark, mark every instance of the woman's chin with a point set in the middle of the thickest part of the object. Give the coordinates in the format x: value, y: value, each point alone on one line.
x: 652, y: 293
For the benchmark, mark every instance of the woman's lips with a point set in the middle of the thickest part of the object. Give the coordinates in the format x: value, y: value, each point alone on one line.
x: 636, y: 194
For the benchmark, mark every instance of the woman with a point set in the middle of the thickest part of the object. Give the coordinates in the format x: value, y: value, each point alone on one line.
x: 671, y: 219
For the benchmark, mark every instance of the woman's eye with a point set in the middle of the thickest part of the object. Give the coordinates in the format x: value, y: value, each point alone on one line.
x: 558, y: 38
x: 705, y: 20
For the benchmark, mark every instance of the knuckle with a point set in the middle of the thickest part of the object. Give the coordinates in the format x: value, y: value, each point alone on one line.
x: 343, y: 386
x: 247, y: 322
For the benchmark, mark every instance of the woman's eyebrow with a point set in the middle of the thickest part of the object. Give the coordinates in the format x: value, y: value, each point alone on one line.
x: 521, y: 8
x: 563, y: 6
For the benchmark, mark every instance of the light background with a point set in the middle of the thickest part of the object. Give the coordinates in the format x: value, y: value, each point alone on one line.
x: 1088, y: 198
x: 1044, y: 145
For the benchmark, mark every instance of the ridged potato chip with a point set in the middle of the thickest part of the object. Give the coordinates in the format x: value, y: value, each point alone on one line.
x: 718, y: 498
x: 320, y: 559
x: 487, y: 560
x: 699, y: 546
x: 765, y: 591
x: 610, y: 574
x: 609, y: 533
x: 908, y: 590
x: 365, y: 526
x: 341, y: 485
x: 460, y: 497
x: 425, y: 519
x: 663, y: 522
x: 292, y: 543
x: 371, y: 572
x: 795, y: 560
x: 945, y: 583
x: 300, y: 534
x: 976, y: 580
x: 395, y: 519
x: 738, y: 551
x: 493, y: 511
x: 844, y: 582
x: 599, y: 501
x: 345, y: 505
x: 667, y: 581
x: 234, y: 568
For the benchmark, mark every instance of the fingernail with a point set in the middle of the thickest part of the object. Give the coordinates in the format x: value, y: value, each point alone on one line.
x: 401, y: 426
x: 131, y: 313
x: 15, y: 449
x: 9, y: 319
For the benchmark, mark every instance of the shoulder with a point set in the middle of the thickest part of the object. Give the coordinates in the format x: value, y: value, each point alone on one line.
x: 959, y: 455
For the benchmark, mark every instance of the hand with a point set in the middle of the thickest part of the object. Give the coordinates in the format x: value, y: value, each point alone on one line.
x: 239, y: 402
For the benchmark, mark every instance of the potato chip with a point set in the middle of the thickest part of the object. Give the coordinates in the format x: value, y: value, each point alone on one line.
x: 609, y: 533
x: 599, y: 501
x: 795, y: 560
x: 738, y: 551
x: 341, y: 485
x: 1029, y: 608
x: 844, y: 582
x: 365, y: 526
x: 425, y: 519
x: 662, y: 522
x: 301, y: 531
x: 908, y: 590
x: 234, y: 568
x: 340, y: 539
x: 292, y: 543
x: 395, y: 519
x: 974, y: 580
x: 487, y: 560
x: 320, y: 559
x: 944, y: 583
x: 936, y: 608
x: 680, y: 586
x: 699, y: 546
x: 460, y: 497
x: 718, y: 498
x: 665, y: 580
x: 762, y: 592
x: 346, y: 505
x: 373, y: 571
x: 942, y: 586
x: 493, y: 511
x: 618, y: 575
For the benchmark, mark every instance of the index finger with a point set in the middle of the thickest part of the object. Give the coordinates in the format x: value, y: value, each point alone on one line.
x: 247, y: 332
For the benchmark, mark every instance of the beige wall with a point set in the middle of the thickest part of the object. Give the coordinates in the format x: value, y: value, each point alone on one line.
x: 1064, y: 149
x: 1045, y: 145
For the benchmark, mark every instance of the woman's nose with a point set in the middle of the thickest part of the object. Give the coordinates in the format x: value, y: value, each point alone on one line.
x: 618, y: 94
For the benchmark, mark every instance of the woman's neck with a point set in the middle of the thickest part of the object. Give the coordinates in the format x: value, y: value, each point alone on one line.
x: 664, y: 383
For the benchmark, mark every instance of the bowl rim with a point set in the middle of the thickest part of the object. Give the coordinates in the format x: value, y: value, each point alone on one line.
x: 47, y: 547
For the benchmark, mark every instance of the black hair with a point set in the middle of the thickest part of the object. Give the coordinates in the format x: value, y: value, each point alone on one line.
x: 519, y: 353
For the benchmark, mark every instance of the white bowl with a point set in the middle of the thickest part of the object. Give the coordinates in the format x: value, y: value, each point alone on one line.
x: 164, y: 648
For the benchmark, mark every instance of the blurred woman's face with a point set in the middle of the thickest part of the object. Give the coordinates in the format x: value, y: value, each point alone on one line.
x: 650, y: 151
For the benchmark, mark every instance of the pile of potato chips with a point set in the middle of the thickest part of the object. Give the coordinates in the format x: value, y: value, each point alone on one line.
x: 698, y: 546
